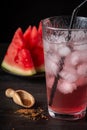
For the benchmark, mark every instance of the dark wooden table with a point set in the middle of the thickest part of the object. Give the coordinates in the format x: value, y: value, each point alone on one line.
x: 36, y: 86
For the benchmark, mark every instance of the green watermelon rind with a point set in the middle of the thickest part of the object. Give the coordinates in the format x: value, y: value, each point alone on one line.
x: 40, y: 68
x: 17, y: 70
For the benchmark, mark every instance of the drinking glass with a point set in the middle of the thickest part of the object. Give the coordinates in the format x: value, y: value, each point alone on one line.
x: 65, y: 55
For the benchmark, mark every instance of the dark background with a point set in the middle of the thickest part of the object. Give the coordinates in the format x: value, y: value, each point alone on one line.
x: 23, y: 13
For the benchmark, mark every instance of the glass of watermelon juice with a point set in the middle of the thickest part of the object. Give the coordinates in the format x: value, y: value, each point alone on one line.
x: 65, y: 54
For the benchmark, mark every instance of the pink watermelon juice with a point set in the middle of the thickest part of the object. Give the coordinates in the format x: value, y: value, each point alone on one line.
x: 69, y: 102
x: 66, y: 79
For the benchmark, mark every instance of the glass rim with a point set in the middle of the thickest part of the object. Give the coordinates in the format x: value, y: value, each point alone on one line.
x: 61, y: 29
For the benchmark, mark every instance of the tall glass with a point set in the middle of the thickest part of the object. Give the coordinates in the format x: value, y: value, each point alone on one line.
x: 65, y: 53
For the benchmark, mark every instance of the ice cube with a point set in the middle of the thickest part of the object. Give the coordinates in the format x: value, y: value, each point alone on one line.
x: 52, y: 63
x: 69, y: 74
x: 82, y: 69
x: 66, y: 87
x: 83, y: 55
x: 72, y: 58
x: 64, y: 51
x: 76, y: 58
x: 51, y: 67
x: 46, y: 45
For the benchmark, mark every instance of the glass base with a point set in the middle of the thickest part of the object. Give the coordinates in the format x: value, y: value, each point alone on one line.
x: 71, y: 117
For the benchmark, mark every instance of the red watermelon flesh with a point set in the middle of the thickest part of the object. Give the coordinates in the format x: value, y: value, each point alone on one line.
x: 38, y: 58
x: 31, y: 37
x: 40, y: 31
x: 35, y: 45
x: 18, y: 59
x: 26, y: 35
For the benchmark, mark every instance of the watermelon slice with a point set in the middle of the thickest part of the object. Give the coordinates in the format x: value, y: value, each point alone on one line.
x: 38, y: 58
x: 18, y: 59
x: 34, y: 43
x: 31, y: 37
x: 40, y: 31
x: 27, y: 36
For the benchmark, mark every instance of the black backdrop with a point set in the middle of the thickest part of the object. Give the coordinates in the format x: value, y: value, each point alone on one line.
x: 22, y: 13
